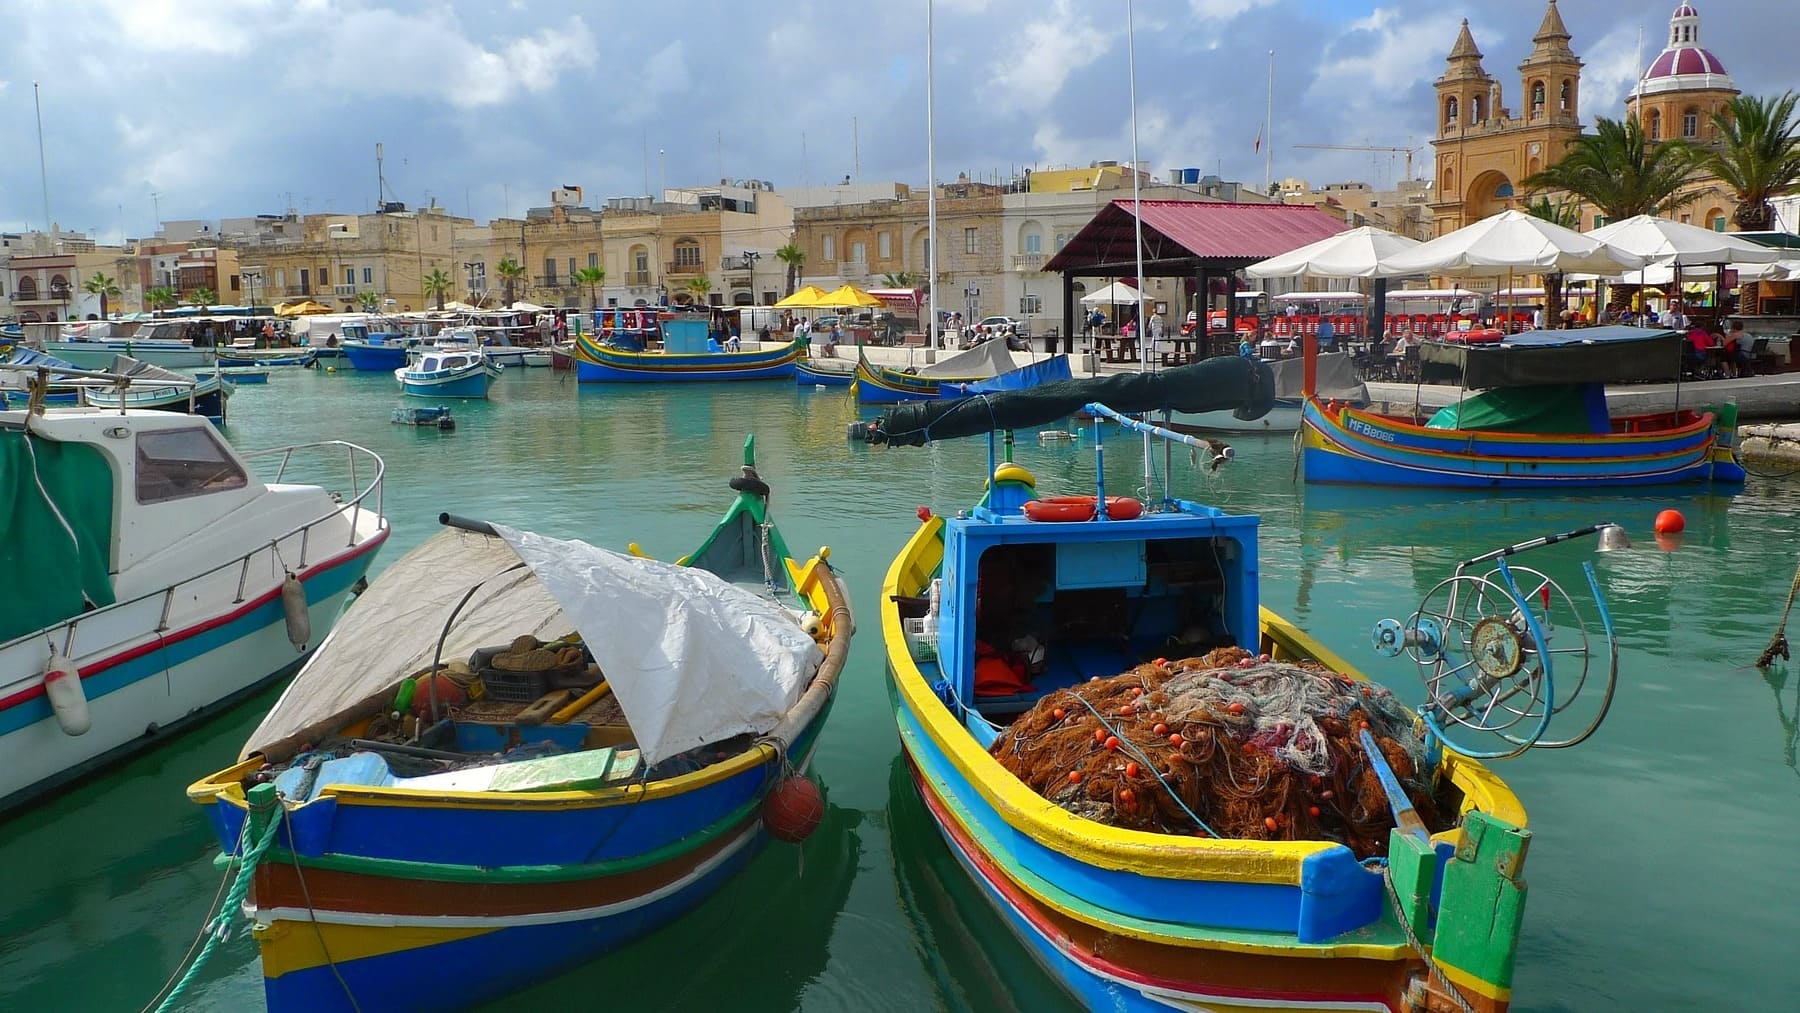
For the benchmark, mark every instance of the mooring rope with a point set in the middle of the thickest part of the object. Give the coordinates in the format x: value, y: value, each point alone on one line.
x: 1451, y: 992
x: 218, y: 928
x: 1778, y: 644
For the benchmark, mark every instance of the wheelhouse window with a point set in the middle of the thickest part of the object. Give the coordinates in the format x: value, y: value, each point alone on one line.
x: 181, y: 463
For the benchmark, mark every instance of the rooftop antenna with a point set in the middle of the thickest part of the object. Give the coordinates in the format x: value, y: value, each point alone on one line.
x: 380, y: 183
x: 43, y: 170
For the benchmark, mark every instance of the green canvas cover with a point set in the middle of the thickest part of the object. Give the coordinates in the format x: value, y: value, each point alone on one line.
x: 1542, y: 410
x: 48, y: 577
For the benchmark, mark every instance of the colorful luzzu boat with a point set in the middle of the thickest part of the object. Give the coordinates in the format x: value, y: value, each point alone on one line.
x: 1131, y: 919
x: 822, y: 373
x: 393, y: 887
x: 880, y: 385
x: 1541, y: 424
x: 686, y: 356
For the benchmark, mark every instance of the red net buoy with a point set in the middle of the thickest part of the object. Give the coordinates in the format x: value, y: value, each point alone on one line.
x: 1670, y: 522
x: 793, y: 808
x: 449, y: 694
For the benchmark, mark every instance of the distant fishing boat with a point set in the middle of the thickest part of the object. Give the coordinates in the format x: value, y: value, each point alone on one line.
x: 161, y: 389
x: 263, y: 358
x: 374, y: 351
x: 245, y: 374
x: 809, y: 372
x: 888, y: 385
x: 160, y: 343
x: 448, y: 374
x: 688, y: 354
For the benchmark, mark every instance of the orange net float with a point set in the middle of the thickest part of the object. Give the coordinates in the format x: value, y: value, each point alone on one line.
x: 1081, y: 508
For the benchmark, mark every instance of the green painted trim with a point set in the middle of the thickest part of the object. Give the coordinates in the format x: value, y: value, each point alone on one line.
x: 400, y: 868
x: 1412, y: 866
x: 1483, y: 901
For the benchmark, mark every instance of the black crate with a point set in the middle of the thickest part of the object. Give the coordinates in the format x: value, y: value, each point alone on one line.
x: 515, y: 687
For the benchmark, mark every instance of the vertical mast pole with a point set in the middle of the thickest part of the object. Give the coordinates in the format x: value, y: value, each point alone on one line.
x: 1137, y: 224
x: 931, y: 252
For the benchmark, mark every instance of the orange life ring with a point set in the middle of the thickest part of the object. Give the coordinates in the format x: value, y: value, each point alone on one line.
x: 1081, y: 508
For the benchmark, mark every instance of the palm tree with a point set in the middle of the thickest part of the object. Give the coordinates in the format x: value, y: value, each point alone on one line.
x: 202, y: 297
x: 436, y: 284
x: 698, y: 287
x: 1758, y: 155
x: 102, y: 286
x: 795, y: 258
x: 510, y: 272
x: 900, y: 279
x: 593, y: 278
x: 367, y: 301
x: 1621, y: 172
x: 162, y: 298
x: 1566, y: 213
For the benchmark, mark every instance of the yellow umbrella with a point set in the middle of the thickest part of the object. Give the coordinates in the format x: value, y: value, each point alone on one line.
x: 850, y: 295
x: 294, y: 309
x: 809, y: 297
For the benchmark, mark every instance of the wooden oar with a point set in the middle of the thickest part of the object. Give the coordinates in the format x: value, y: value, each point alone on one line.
x: 1405, y: 816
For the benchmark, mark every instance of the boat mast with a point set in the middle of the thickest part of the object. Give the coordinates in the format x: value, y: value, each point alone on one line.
x: 1137, y: 225
x: 43, y: 171
x: 931, y: 250
x: 1269, y: 136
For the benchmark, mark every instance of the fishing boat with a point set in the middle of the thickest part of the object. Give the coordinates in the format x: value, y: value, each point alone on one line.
x: 448, y: 374
x: 1535, y: 418
x: 167, y: 579
x: 688, y: 354
x: 239, y: 375
x: 493, y: 344
x: 147, y: 386
x: 1337, y: 381
x: 160, y: 343
x: 810, y: 372
x: 372, y: 351
x: 268, y: 358
x: 1172, y: 836
x: 433, y: 853
x: 887, y: 385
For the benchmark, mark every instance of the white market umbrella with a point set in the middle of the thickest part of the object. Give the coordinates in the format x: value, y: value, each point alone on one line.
x: 1117, y: 292
x: 529, y: 307
x: 1676, y: 244
x: 1509, y: 242
x: 1358, y: 253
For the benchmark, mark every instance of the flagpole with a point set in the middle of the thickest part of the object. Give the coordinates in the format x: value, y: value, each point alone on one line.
x: 931, y: 253
x: 1269, y: 122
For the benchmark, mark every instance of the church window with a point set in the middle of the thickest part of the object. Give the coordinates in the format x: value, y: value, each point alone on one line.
x: 1450, y: 111
x: 1655, y: 124
x: 1690, y: 122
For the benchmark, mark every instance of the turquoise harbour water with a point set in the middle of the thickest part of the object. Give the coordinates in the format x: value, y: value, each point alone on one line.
x: 1659, y: 876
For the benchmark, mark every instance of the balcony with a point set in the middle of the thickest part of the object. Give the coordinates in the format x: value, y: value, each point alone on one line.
x: 1028, y: 261
x: 637, y: 277
x: 739, y: 263
x: 681, y: 268
x: 850, y: 270
x: 553, y: 281
x: 37, y: 296
x: 346, y: 291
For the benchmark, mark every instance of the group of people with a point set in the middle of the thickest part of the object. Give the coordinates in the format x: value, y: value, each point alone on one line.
x: 1733, y: 345
x: 803, y: 328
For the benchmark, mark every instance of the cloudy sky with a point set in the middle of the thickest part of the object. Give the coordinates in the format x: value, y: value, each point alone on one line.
x: 236, y: 107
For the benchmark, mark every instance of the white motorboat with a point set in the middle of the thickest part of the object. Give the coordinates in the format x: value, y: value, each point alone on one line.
x: 160, y: 343
x: 1337, y: 379
x: 157, y: 578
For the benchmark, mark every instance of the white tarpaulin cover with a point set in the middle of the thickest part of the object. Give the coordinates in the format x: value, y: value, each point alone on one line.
x: 990, y: 358
x: 691, y: 658
x: 1358, y: 253
x: 1509, y: 242
x: 392, y: 630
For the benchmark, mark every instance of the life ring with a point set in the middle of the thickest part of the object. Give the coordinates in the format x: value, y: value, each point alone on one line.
x: 1081, y: 508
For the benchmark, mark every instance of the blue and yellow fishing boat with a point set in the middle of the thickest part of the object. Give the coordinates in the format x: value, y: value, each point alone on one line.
x: 810, y: 372
x: 640, y: 730
x: 688, y: 354
x: 1100, y: 844
x: 881, y: 385
x: 1540, y: 421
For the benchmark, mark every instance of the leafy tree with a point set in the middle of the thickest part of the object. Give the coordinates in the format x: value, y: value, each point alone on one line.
x: 900, y: 279
x: 593, y: 278
x: 368, y: 301
x: 202, y: 297
x: 437, y: 283
x: 162, y: 297
x: 1758, y: 155
x: 698, y: 287
x: 795, y: 258
x: 1620, y: 172
x: 511, y: 272
x: 102, y: 286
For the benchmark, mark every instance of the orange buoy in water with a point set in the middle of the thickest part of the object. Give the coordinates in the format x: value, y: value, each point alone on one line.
x: 793, y: 808
x: 1669, y: 522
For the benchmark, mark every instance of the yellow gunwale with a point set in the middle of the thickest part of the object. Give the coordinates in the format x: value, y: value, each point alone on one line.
x: 1148, y: 854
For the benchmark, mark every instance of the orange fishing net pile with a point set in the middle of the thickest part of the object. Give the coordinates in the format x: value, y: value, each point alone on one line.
x: 1255, y: 749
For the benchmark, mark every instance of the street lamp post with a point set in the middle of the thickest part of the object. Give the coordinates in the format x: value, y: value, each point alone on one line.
x: 252, y: 276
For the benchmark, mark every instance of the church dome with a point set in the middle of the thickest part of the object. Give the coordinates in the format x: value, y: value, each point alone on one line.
x: 1683, y: 65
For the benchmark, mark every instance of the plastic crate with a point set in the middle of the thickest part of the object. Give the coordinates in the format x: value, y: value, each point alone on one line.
x: 516, y: 687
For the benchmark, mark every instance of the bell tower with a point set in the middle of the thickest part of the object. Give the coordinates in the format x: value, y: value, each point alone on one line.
x: 1550, y: 79
x: 1468, y: 101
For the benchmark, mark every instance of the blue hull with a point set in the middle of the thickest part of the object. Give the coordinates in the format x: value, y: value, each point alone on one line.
x: 375, y: 358
x: 595, y: 372
x: 475, y: 385
x: 807, y: 377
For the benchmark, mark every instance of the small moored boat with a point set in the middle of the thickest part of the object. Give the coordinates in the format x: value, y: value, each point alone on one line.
x: 639, y: 734
x: 685, y: 356
x: 448, y: 374
x: 148, y: 386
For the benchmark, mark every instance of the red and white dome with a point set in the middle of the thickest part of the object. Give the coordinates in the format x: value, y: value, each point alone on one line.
x: 1683, y: 65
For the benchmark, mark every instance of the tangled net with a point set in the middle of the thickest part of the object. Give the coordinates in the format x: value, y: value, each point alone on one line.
x: 1258, y: 750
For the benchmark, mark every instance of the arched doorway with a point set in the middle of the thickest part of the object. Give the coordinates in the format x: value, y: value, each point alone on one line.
x: 1489, y: 194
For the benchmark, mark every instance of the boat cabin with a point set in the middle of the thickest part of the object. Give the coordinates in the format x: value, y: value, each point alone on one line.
x: 433, y: 362
x: 1074, y: 600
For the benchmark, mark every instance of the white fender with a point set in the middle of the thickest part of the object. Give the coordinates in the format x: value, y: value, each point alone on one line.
x: 62, y: 685
x: 293, y: 605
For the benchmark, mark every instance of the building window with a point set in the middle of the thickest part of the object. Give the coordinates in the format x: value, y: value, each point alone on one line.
x: 571, y: 267
x: 1030, y: 305
x: 687, y: 253
x: 1655, y: 124
x: 1034, y: 243
x: 859, y: 253
x: 1690, y: 122
x: 281, y: 277
x: 550, y: 269
x: 594, y: 261
x: 1599, y: 220
x: 829, y: 248
x: 883, y: 247
x: 368, y: 276
x: 971, y: 241
x: 641, y: 263
x: 349, y: 275
x: 1687, y: 219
